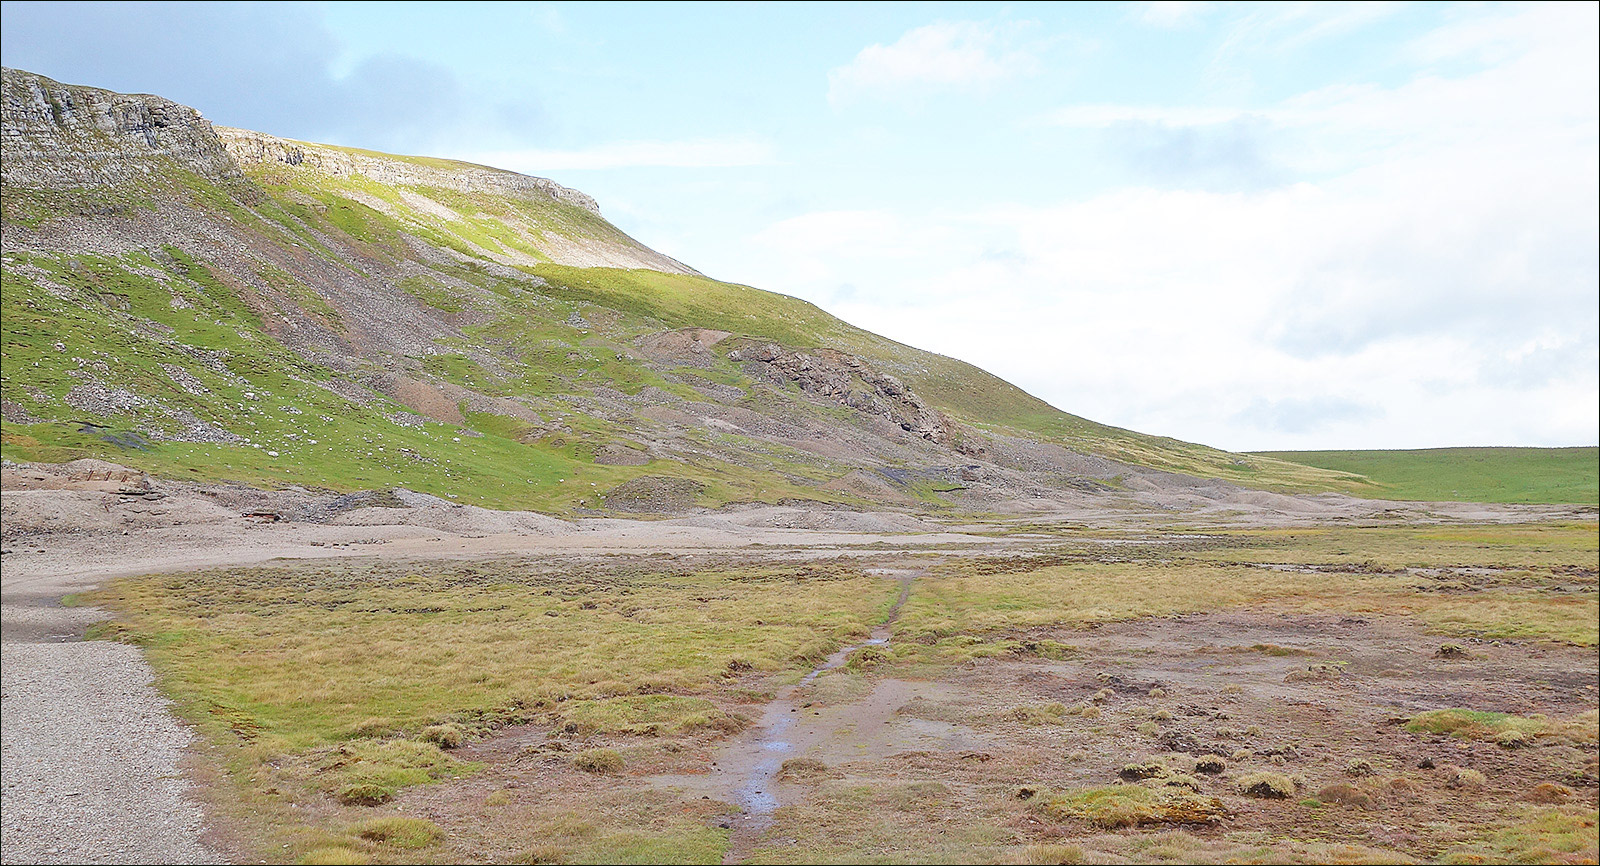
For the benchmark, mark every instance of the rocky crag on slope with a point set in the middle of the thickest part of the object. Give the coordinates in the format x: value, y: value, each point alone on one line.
x: 58, y: 136
x: 225, y: 304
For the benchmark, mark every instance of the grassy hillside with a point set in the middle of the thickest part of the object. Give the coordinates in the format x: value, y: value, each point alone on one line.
x: 1551, y: 475
x: 295, y: 321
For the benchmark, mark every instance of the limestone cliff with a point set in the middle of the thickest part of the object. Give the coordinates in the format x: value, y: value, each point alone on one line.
x: 67, y: 137
x: 56, y: 136
x: 251, y: 148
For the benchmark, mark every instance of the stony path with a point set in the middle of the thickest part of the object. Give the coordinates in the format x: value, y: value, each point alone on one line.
x: 89, y: 753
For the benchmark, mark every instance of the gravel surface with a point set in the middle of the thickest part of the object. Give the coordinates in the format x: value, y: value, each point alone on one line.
x: 91, y: 760
x: 89, y: 753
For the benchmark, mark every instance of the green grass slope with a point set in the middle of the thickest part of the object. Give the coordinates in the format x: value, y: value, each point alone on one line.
x: 216, y: 322
x: 1534, y: 475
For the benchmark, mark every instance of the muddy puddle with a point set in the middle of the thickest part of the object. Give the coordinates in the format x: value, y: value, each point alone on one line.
x: 746, y: 772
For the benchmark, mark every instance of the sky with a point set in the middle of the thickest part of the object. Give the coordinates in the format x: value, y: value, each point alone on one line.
x: 1256, y: 226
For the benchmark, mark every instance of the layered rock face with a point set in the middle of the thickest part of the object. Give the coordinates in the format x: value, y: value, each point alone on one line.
x: 58, y: 136
x: 251, y: 148
x: 852, y: 382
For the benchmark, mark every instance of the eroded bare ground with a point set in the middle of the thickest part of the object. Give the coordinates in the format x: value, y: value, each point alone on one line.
x: 955, y: 766
x: 953, y: 763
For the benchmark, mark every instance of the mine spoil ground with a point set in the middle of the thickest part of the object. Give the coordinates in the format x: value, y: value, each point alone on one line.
x: 916, y: 739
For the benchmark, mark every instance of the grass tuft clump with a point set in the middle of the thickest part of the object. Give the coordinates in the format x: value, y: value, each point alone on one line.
x: 401, y: 832
x: 1463, y: 777
x: 1345, y: 795
x: 1267, y: 785
x: 1210, y: 765
x: 364, y: 794
x: 334, y: 855
x: 1039, y: 714
x: 1314, y: 673
x: 598, y: 761
x: 1549, y: 793
x: 443, y: 736
x: 1358, y: 767
x: 806, y: 770
x: 1118, y: 806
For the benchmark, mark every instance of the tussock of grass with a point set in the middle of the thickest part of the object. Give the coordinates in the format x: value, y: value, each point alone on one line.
x: 1346, y: 795
x: 806, y: 770
x: 1210, y: 765
x: 334, y: 855
x: 1463, y: 777
x: 1039, y: 714
x: 399, y: 832
x: 1121, y: 806
x: 598, y: 761
x: 1268, y: 785
x: 443, y: 736
x: 364, y: 794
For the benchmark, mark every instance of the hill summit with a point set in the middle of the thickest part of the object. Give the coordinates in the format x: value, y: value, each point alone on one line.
x: 223, y: 305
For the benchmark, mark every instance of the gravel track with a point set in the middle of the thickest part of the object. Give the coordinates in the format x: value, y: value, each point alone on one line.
x: 89, y: 753
x: 91, y: 760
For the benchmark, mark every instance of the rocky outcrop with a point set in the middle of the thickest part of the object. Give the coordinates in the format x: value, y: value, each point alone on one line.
x: 852, y: 382
x: 253, y: 148
x: 58, y: 136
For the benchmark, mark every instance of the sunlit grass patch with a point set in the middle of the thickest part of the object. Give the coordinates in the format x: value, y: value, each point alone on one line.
x: 1498, y: 581
x: 300, y: 657
x: 345, y: 680
x: 647, y: 715
x: 398, y: 832
x: 365, y: 772
x: 1467, y: 474
x: 1117, y: 806
x: 1504, y: 728
x: 1548, y: 834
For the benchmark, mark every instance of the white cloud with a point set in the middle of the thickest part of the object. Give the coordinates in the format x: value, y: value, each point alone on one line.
x: 1291, y: 26
x: 1428, y: 274
x: 1172, y: 13
x: 694, y: 153
x: 1101, y: 116
x: 945, y: 54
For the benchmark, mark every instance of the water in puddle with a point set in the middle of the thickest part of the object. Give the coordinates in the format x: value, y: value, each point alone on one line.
x: 755, y: 796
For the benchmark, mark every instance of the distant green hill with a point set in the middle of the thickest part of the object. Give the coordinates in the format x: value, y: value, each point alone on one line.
x: 1552, y: 475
